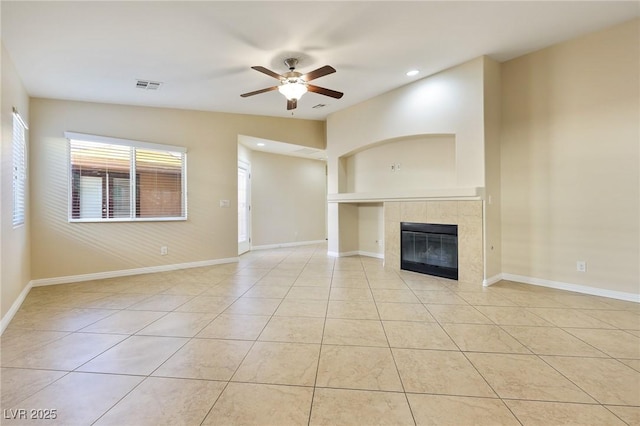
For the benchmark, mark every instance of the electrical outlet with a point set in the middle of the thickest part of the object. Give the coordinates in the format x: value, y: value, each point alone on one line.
x: 224, y: 203
x: 581, y: 266
x: 164, y: 250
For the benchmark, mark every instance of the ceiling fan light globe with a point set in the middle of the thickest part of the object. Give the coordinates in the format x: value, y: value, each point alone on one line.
x: 292, y: 91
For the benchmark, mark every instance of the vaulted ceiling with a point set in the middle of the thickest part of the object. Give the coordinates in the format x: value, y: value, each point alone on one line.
x: 202, y: 51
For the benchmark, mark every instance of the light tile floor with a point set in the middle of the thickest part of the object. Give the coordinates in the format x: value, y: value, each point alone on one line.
x: 291, y: 336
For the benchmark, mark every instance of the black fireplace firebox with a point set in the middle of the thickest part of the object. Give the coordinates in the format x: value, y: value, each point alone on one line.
x: 429, y: 249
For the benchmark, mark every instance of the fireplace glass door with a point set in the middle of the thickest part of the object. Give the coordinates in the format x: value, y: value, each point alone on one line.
x: 430, y: 249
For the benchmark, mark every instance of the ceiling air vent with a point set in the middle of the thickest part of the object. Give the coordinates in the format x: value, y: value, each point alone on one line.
x: 148, y: 85
x: 319, y: 106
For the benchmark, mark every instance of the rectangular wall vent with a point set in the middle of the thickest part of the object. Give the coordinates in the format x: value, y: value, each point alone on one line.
x: 148, y: 85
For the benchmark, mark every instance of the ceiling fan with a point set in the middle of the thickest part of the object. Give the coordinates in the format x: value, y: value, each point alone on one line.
x: 294, y: 84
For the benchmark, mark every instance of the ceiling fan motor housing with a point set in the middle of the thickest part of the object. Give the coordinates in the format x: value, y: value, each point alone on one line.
x: 291, y: 63
x: 294, y: 84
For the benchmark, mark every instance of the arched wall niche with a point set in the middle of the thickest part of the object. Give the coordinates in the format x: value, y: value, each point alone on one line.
x: 408, y: 163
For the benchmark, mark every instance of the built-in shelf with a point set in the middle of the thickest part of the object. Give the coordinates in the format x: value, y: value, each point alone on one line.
x: 476, y: 193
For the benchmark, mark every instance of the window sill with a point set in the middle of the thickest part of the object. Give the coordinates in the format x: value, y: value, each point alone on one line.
x: 129, y: 220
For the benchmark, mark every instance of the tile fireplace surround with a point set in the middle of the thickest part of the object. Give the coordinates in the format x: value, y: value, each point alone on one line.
x: 466, y: 214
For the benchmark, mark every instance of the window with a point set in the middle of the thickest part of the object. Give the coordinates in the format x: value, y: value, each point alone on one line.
x: 19, y: 167
x: 122, y: 180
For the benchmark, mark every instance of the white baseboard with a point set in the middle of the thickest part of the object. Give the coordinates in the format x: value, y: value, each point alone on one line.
x: 128, y: 272
x: 284, y: 245
x: 355, y: 253
x: 491, y: 280
x: 371, y: 254
x: 620, y: 295
x: 348, y: 253
x: 102, y: 275
x: 14, y: 308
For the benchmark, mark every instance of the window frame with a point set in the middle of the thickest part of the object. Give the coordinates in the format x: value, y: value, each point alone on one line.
x: 19, y: 174
x: 83, y: 137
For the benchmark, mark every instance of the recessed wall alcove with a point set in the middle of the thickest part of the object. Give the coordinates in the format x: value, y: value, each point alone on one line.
x: 405, y: 164
x: 449, y: 122
x: 413, y: 178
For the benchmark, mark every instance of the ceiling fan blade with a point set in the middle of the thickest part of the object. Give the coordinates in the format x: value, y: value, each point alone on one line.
x: 323, y: 91
x: 268, y: 72
x: 292, y: 104
x: 257, y: 92
x: 320, y: 72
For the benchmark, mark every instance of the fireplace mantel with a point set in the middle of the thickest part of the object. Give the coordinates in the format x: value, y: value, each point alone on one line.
x: 474, y: 193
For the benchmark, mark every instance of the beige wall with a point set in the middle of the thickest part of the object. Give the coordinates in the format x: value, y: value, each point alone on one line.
x: 570, y: 161
x: 348, y: 234
x: 288, y: 199
x: 419, y: 162
x: 493, y: 196
x: 15, y: 257
x: 244, y: 154
x: 447, y: 103
x: 65, y: 249
x: 361, y: 228
x: 371, y: 229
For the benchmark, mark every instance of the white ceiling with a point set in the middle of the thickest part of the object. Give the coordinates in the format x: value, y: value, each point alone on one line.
x: 203, y: 50
x: 281, y: 148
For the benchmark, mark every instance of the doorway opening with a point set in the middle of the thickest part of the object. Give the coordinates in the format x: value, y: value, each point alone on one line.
x: 244, y: 207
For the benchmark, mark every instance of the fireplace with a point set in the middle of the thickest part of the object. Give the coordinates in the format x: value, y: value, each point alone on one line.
x: 430, y: 249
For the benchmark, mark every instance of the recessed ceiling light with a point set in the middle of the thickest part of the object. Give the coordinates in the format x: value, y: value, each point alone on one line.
x: 412, y: 73
x: 260, y: 144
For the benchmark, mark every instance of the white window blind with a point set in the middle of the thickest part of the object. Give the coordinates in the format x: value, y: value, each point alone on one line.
x: 122, y: 180
x: 19, y: 166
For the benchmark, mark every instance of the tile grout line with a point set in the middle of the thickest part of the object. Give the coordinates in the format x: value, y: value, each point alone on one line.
x: 236, y: 369
x: 322, y: 343
x: 145, y: 377
x: 393, y: 357
x: 228, y: 382
x: 324, y: 325
x: 472, y: 364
